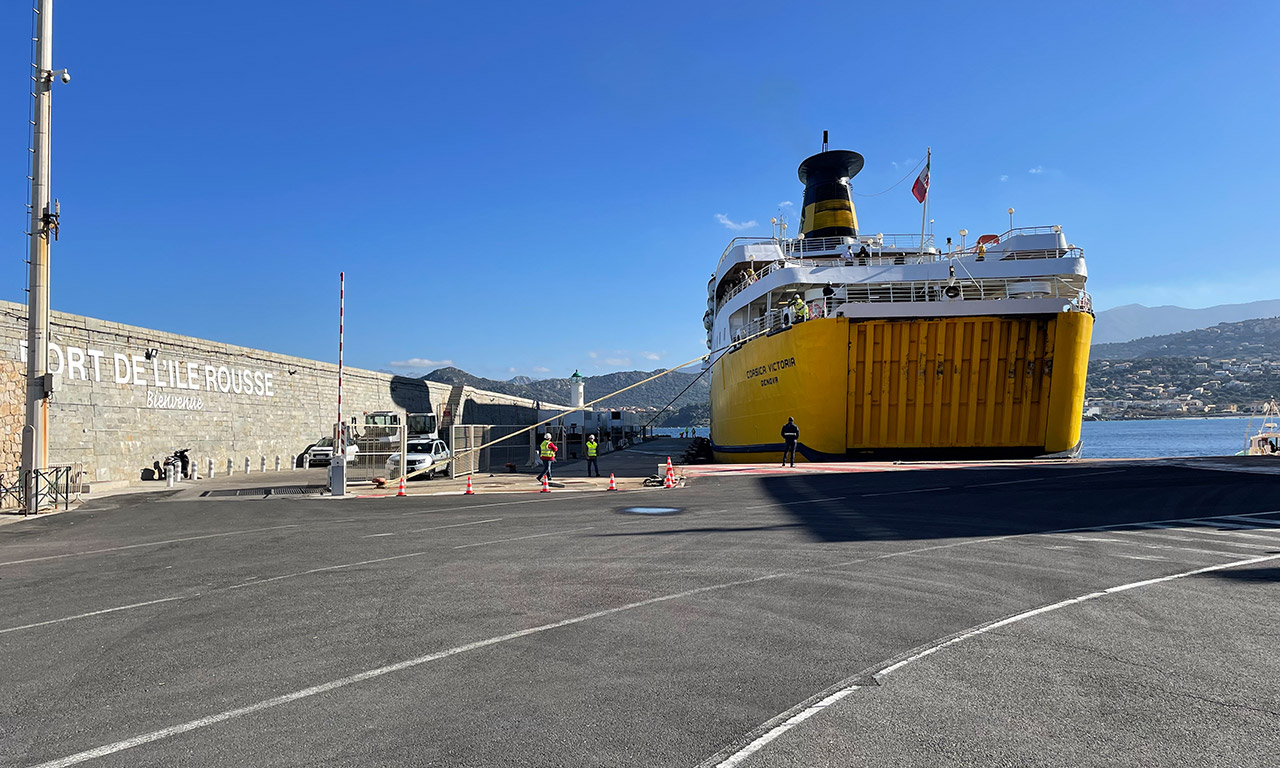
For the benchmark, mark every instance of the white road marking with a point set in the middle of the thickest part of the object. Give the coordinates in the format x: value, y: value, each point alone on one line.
x: 433, y: 528
x: 97, y: 613
x: 1047, y: 477
x: 1144, y: 557
x: 1140, y: 542
x: 792, y: 503
x: 522, y: 538
x: 1261, y: 520
x: 786, y: 725
x: 150, y: 544
x: 537, y: 500
x: 1245, y: 544
x: 800, y: 713
x: 253, y: 583
x: 191, y: 725
x: 455, y: 525
x: 899, y: 493
x: 1206, y: 530
x: 320, y: 570
x: 1008, y: 482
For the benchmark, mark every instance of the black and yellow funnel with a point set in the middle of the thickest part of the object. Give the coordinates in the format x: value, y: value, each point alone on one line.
x: 828, y: 206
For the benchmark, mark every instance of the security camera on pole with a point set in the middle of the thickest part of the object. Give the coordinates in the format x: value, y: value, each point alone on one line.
x: 44, y: 222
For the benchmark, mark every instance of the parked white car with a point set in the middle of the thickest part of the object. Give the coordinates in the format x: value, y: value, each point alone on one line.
x: 422, y: 453
x: 321, y: 453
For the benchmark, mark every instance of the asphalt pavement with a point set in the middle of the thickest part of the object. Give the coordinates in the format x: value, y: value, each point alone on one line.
x: 1059, y: 614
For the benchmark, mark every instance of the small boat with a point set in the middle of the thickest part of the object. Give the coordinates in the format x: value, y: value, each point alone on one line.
x: 1266, y: 441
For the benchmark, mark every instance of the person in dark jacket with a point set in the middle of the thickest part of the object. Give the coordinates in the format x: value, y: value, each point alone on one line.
x: 791, y: 434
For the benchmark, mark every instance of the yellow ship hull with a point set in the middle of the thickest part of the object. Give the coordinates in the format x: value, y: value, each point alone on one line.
x: 955, y: 387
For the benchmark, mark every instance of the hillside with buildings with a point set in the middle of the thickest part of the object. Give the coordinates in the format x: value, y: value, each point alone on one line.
x: 1133, y: 321
x: 1229, y: 368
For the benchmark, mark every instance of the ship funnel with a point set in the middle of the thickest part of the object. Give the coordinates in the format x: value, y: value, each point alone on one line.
x: 828, y: 206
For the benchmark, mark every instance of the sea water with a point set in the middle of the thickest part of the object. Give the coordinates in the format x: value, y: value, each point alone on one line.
x: 1143, y: 439
x: 1165, y: 437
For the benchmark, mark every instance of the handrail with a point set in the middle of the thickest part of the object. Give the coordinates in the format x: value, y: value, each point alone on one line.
x: 931, y: 291
x: 880, y: 259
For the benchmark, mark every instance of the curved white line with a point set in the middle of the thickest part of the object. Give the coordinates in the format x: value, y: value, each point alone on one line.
x: 798, y: 714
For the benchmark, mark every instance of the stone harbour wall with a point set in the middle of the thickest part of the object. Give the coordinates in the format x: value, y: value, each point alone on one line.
x: 125, y: 397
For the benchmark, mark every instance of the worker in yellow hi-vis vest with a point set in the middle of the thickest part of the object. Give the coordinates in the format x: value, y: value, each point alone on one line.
x: 593, y: 450
x: 546, y: 452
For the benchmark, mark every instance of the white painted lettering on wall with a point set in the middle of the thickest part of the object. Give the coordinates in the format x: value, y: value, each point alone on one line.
x: 176, y: 402
x: 77, y: 364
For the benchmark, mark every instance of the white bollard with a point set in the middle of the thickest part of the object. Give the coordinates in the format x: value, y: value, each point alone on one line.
x: 247, y: 466
x: 293, y: 462
x: 168, y: 475
x: 264, y: 464
x: 230, y: 468
x: 210, y: 467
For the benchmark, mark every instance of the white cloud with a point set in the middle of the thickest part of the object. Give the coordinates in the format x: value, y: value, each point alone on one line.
x: 540, y: 369
x: 1037, y: 169
x: 1004, y: 177
x: 418, y: 362
x: 651, y: 355
x: 786, y: 204
x: 593, y: 355
x: 725, y: 220
x: 617, y: 361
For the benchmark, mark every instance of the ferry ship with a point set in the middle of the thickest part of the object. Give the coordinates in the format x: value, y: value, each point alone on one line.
x: 908, y: 351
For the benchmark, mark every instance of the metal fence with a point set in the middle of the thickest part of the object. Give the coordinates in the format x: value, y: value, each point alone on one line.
x: 511, y: 451
x: 375, y: 445
x: 53, y: 487
x: 464, y: 439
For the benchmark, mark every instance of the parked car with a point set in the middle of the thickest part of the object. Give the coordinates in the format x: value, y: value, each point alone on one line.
x: 422, y: 453
x: 319, y: 454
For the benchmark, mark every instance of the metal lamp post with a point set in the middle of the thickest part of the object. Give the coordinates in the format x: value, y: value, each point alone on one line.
x: 44, y: 222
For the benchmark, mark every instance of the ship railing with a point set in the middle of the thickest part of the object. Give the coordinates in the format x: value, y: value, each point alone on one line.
x: 741, y: 241
x: 932, y: 291
x: 877, y: 243
x: 890, y: 260
x: 971, y: 289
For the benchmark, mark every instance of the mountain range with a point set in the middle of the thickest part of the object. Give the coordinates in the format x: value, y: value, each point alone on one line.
x: 653, y: 394
x: 1134, y: 321
x: 1248, y: 339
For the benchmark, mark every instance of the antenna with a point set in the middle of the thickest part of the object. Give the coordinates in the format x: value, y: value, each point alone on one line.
x: 824, y: 141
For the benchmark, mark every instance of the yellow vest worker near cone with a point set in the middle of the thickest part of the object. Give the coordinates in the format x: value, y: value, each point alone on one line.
x: 593, y: 450
x: 546, y: 452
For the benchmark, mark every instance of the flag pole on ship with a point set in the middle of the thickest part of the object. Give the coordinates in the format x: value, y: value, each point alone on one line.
x: 923, y: 181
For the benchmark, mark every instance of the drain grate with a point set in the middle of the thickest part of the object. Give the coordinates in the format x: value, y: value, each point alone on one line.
x: 287, y: 490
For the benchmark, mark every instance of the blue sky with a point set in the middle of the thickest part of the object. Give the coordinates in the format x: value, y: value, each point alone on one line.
x: 528, y: 188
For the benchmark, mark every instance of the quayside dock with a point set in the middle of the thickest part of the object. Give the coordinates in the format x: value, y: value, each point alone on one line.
x: 1055, y: 613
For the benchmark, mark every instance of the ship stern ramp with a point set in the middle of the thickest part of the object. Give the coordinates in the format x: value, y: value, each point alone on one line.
x: 911, y: 388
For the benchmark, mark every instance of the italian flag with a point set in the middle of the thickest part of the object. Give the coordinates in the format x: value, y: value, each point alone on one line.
x: 921, y: 188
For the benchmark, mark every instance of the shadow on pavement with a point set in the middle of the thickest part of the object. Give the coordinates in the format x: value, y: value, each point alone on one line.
x: 1247, y: 574
x: 992, y: 501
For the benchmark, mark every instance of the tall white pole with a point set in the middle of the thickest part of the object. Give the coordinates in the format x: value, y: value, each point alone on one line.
x: 342, y: 302
x: 35, y: 432
x: 924, y: 207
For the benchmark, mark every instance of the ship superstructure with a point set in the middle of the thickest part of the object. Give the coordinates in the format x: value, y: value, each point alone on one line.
x: 908, y: 350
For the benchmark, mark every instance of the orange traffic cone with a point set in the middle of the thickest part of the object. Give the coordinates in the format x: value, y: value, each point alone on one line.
x: 612, y: 485
x: 468, y: 492
x: 668, y: 463
x: 402, y: 493
x: 545, y: 488
x: 670, y: 482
